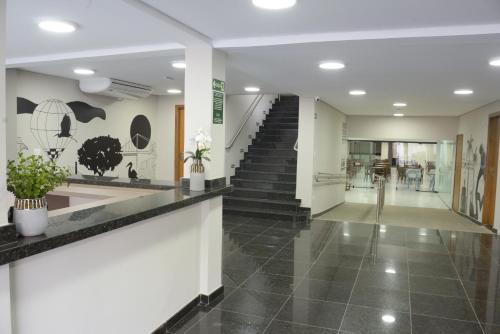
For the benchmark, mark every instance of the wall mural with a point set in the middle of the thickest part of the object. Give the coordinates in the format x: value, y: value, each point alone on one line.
x: 100, y: 154
x: 140, y: 146
x: 472, y: 193
x: 53, y: 122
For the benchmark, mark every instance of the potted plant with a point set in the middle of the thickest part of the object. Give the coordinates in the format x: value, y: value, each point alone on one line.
x: 197, y: 178
x: 30, y: 179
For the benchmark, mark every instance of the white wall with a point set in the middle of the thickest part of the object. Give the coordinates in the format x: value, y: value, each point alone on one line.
x: 402, y: 128
x: 474, y: 126
x: 236, y: 109
x: 158, y: 160
x: 321, y: 150
x: 166, y: 137
x: 329, y: 151
x: 3, y: 137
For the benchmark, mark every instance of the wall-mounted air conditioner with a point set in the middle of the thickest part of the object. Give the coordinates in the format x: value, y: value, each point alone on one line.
x: 115, y: 88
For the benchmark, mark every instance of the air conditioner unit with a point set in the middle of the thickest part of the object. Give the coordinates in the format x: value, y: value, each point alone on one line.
x: 115, y: 88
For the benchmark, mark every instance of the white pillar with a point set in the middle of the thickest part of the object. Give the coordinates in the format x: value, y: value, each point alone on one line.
x: 11, y: 113
x: 203, y: 65
x: 3, y: 136
x: 384, y: 154
x: 305, y: 155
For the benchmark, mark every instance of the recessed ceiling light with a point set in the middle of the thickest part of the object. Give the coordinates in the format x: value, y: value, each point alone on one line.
x: 398, y: 115
x: 387, y: 318
x: 252, y: 89
x: 179, y: 64
x: 83, y: 71
x: 495, y: 62
x: 174, y: 91
x: 274, y: 4
x: 463, y: 92
x: 357, y: 92
x: 390, y: 270
x: 347, y: 235
x: 400, y: 104
x: 331, y: 65
x: 57, y: 26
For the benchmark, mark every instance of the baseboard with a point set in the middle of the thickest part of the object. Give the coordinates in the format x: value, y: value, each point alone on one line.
x: 325, y: 211
x: 200, y: 300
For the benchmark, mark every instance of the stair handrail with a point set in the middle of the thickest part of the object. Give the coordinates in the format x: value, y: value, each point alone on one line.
x: 245, y: 118
x: 329, y: 178
x: 296, y: 145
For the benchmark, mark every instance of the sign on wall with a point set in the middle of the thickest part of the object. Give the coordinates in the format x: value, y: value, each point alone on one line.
x: 218, y: 101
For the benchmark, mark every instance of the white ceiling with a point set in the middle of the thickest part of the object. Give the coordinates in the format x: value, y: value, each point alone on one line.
x: 223, y: 19
x: 121, y: 41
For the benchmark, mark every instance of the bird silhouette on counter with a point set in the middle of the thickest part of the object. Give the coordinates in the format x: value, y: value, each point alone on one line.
x: 132, y: 174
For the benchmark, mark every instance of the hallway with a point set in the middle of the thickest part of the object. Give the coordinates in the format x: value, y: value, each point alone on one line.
x: 330, y: 276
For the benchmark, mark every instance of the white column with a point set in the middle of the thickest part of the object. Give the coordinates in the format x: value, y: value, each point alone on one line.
x: 384, y: 154
x: 3, y: 136
x: 203, y: 64
x: 5, y: 313
x: 11, y: 113
x: 305, y: 155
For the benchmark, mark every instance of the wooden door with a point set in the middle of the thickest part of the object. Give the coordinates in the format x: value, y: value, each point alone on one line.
x: 179, y: 142
x: 458, y: 172
x: 491, y: 169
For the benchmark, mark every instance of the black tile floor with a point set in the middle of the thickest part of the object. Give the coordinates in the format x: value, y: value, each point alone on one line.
x: 328, y: 277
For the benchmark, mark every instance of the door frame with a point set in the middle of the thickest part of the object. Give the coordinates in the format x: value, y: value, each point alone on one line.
x: 179, y: 142
x: 491, y: 170
x: 457, y: 176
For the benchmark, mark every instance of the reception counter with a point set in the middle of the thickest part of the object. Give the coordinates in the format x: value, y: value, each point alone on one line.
x: 130, y: 261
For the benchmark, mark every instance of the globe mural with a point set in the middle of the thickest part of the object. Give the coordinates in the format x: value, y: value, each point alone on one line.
x: 53, y: 124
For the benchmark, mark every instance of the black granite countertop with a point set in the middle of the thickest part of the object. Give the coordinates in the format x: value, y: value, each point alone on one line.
x: 123, y: 182
x: 82, y: 224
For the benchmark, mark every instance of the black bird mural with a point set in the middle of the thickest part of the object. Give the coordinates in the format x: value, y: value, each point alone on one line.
x: 132, y: 174
x: 84, y: 112
x: 65, y: 128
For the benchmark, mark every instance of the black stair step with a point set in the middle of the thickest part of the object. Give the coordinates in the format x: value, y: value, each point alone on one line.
x: 283, y: 195
x: 276, y: 137
x: 279, y: 113
x: 272, y: 145
x: 291, y: 206
x: 284, y: 119
x: 261, y: 175
x: 274, y: 152
x: 263, y: 184
x: 278, y: 132
x: 266, y: 213
x: 281, y: 125
x: 253, y: 158
x: 267, y: 167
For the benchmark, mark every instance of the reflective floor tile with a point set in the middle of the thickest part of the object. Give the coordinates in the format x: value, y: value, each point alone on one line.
x: 189, y: 320
x: 271, y: 283
x: 381, y: 298
x: 388, y: 252
x: 384, y: 265
x: 262, y: 221
x: 282, y: 327
x: 487, y: 311
x: 281, y: 232
x: 234, y: 219
x: 328, y: 273
x: 429, y: 325
x: 294, y: 252
x: 224, y: 322
x: 432, y: 270
x: 250, y: 229
x: 312, y: 312
x: 477, y: 274
x: 431, y: 248
x: 340, y: 260
x: 383, y: 280
x: 429, y: 258
x: 345, y: 249
x: 491, y: 329
x: 253, y: 302
x: 234, y: 277
x: 270, y: 240
x: 324, y: 290
x: 367, y: 320
x: 286, y: 268
x: 437, y: 286
x: 244, y: 262
x: 481, y: 290
x: 260, y: 250
x: 440, y: 306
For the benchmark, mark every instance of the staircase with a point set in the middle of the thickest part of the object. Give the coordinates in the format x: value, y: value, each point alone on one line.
x: 264, y: 184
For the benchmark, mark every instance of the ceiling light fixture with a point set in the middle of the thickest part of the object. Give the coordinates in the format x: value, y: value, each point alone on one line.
x: 463, y: 92
x: 400, y: 104
x: 495, y: 62
x: 83, y: 71
x: 332, y: 65
x: 57, y: 26
x: 398, y: 115
x: 274, y: 4
x: 179, y: 64
x: 357, y: 92
x: 390, y: 270
x: 387, y: 318
x: 174, y: 91
x: 252, y: 89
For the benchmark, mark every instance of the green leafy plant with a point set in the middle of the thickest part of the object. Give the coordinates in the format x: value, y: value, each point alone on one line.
x: 202, y: 141
x: 31, y: 177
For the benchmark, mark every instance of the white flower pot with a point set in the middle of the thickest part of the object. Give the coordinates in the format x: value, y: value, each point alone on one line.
x: 31, y: 216
x: 197, y: 178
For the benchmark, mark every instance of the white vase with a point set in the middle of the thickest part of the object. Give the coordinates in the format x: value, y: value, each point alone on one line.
x: 197, y: 177
x: 31, y: 216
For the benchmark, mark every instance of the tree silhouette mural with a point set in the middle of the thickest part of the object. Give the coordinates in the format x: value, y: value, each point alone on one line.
x: 100, y: 154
